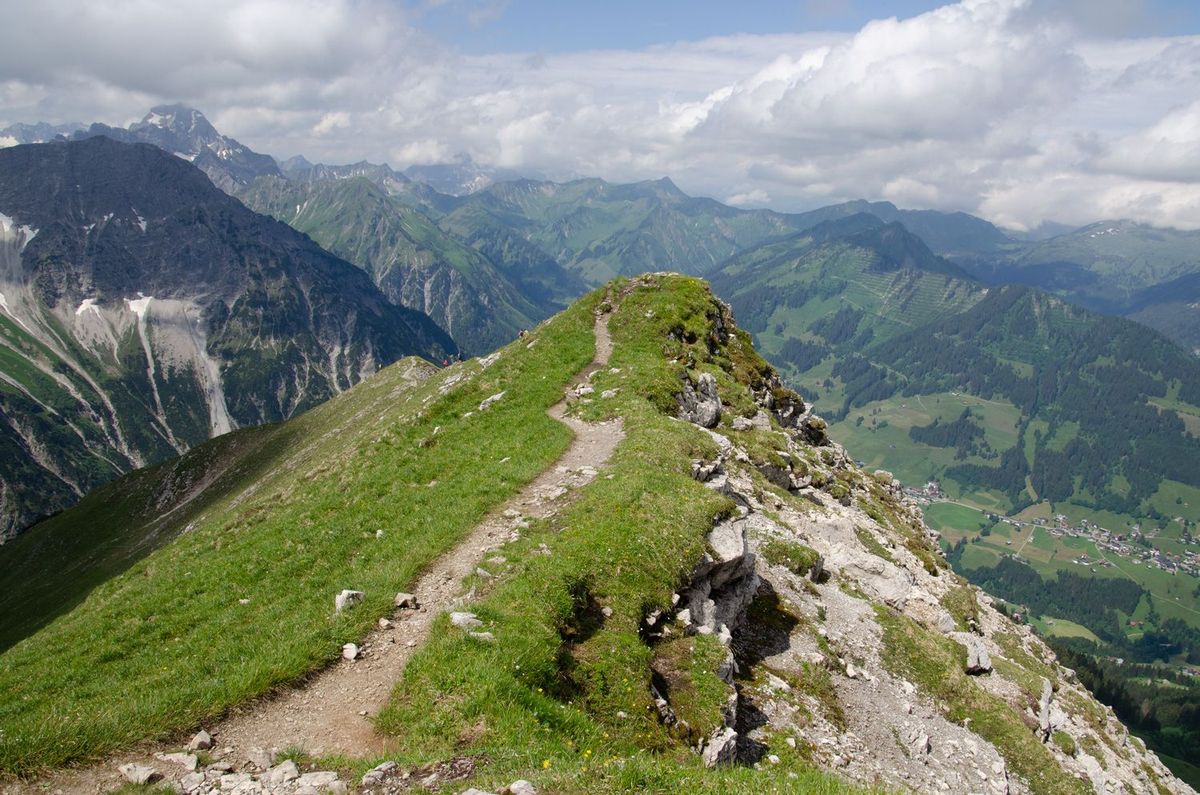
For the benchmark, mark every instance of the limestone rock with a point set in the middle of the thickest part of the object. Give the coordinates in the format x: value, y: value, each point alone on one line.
x: 921, y: 744
x: 377, y: 774
x: 320, y: 780
x: 261, y: 758
x: 487, y: 402
x: 721, y: 748
x: 347, y: 599
x: 201, y: 741
x: 283, y: 773
x: 192, y: 782
x: 232, y: 781
x: 519, y: 787
x: 700, y: 403
x: 978, y: 659
x: 138, y: 774
x: 187, y: 761
x: 350, y: 651
x: 465, y: 620
x: 406, y: 600
x: 1044, y: 724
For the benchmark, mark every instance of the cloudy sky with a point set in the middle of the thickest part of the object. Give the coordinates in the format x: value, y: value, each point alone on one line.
x: 1021, y: 111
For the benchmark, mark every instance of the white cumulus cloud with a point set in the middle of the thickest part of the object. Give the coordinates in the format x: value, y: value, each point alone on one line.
x: 1018, y: 110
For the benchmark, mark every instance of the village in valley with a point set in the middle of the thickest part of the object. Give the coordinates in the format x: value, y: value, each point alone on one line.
x: 1130, y: 543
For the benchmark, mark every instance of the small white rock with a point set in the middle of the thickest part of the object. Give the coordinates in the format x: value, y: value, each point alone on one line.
x: 187, y: 761
x: 283, y: 773
x: 350, y: 651
x: 138, y: 774
x: 201, y: 741
x: 192, y: 782
x: 347, y: 599
x: 231, y: 781
x: 465, y: 620
x: 262, y: 758
x: 376, y: 775
x: 406, y: 600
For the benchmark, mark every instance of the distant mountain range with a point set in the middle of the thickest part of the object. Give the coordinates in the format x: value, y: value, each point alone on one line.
x: 597, y: 229
x: 142, y: 311
x: 38, y: 133
x: 488, y: 259
x: 1116, y: 267
x: 1085, y: 408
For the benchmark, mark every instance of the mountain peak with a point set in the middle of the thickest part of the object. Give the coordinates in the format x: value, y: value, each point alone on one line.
x: 180, y: 120
x: 187, y: 133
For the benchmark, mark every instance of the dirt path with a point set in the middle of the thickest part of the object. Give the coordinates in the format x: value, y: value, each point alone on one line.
x: 331, y: 712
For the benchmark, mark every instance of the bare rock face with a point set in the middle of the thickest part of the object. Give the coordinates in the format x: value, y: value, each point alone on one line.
x: 700, y: 403
x: 722, y: 584
x: 978, y: 659
x: 721, y: 748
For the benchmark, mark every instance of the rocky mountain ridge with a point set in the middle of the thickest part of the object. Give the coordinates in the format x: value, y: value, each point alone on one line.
x: 728, y: 604
x: 186, y: 133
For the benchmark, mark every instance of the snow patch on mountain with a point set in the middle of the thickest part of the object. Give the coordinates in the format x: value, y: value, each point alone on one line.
x: 12, y: 232
x: 140, y: 305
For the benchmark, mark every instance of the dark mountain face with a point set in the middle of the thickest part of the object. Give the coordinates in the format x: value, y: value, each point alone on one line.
x: 144, y: 311
x: 185, y: 132
x: 412, y: 260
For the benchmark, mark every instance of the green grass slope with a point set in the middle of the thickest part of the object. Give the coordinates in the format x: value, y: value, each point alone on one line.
x: 565, y: 689
x: 361, y: 492
x: 838, y: 287
x: 598, y: 230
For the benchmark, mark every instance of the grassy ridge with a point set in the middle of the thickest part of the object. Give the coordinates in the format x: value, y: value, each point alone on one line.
x: 564, y: 689
x: 170, y: 642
